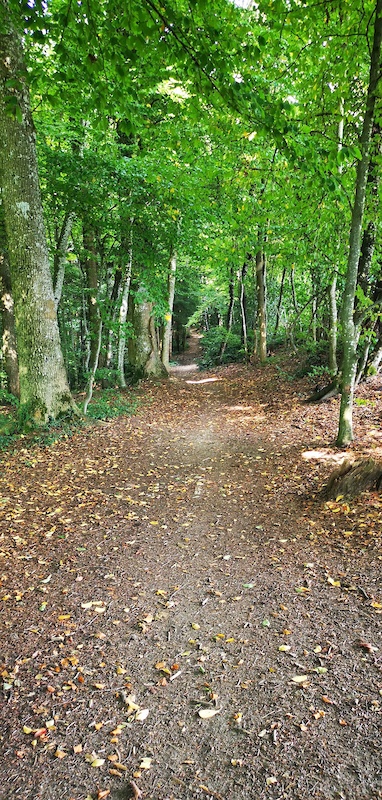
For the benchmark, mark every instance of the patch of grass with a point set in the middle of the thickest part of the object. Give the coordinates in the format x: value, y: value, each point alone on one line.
x: 362, y: 401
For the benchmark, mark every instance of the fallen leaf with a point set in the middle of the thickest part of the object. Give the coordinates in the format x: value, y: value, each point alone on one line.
x: 142, y: 714
x: 60, y: 754
x: 145, y: 763
x: 300, y: 679
x: 207, y: 713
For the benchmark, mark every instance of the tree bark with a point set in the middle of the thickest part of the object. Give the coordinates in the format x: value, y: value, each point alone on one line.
x: 167, y: 332
x: 93, y: 310
x: 278, y: 310
x: 261, y: 286
x: 60, y: 257
x: 143, y: 349
x: 350, y: 338
x: 231, y: 306
x: 242, y: 303
x: 333, y: 321
x: 123, y: 311
x: 9, y: 346
x: 44, y: 388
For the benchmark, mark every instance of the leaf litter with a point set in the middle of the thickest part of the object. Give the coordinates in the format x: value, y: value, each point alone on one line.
x: 268, y: 615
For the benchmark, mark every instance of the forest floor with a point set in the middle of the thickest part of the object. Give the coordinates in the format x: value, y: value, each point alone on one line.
x: 184, y: 617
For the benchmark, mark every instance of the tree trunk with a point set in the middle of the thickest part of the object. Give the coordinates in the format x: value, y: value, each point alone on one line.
x: 44, y: 388
x: 89, y: 391
x: 278, y: 310
x: 60, y: 257
x: 167, y: 331
x: 93, y: 310
x: 294, y: 298
x: 333, y: 367
x: 231, y: 306
x: 350, y: 337
x: 123, y: 312
x: 9, y: 347
x: 242, y: 303
x: 143, y: 349
x: 261, y: 286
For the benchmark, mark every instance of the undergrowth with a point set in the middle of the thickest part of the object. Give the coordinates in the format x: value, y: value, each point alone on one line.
x: 15, y: 428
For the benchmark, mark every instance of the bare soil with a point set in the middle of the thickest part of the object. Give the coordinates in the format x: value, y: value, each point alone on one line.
x: 183, y: 615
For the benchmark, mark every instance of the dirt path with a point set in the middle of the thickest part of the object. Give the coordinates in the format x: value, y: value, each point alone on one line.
x: 181, y: 557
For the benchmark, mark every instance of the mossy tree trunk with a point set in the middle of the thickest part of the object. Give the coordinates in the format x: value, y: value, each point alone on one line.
x: 9, y: 345
x: 143, y: 348
x: 44, y: 389
x: 350, y: 333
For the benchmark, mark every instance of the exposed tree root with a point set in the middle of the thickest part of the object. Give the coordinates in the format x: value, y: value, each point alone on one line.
x: 352, y: 478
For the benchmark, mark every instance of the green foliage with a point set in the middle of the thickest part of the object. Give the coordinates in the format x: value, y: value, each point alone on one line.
x: 6, y: 398
x: 212, y: 346
x: 111, y: 403
x: 314, y: 361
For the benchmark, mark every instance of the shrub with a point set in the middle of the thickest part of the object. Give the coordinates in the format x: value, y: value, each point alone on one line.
x: 212, y: 344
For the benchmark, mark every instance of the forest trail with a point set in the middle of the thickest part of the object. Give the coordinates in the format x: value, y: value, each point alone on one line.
x: 183, y: 558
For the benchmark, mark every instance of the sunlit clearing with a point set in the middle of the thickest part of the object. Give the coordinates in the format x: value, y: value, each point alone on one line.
x: 205, y: 380
x: 322, y: 455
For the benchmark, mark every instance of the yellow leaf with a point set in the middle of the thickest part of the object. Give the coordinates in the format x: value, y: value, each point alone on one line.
x: 300, y: 678
x: 284, y: 648
x: 332, y: 582
x: 77, y: 748
x: 195, y: 626
x: 60, y: 754
x: 99, y: 685
x: 98, y: 762
x: 374, y: 604
x: 27, y: 730
x: 63, y: 616
x: 145, y: 763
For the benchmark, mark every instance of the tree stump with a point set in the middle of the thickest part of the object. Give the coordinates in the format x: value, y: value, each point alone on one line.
x: 352, y: 478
